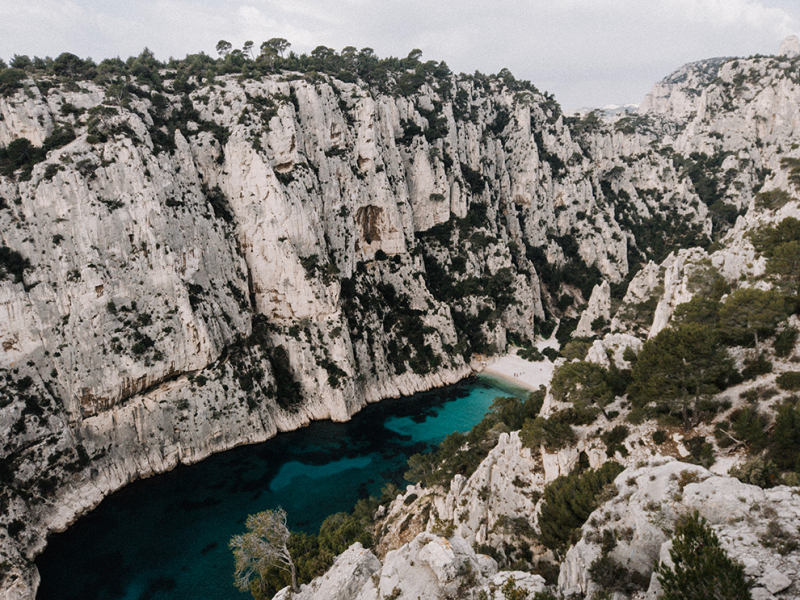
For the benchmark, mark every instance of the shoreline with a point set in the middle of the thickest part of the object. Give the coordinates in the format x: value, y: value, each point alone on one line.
x: 518, y: 372
x: 116, y: 472
x: 502, y: 371
x: 504, y: 381
x: 506, y: 386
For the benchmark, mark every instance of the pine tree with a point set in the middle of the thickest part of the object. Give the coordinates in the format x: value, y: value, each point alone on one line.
x: 702, y: 568
x: 750, y: 311
x: 677, y: 367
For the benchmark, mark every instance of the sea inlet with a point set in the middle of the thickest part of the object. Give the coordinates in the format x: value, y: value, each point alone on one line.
x: 167, y: 537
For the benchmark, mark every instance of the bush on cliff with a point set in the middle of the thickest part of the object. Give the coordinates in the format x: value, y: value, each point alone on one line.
x: 568, y: 502
x: 702, y: 568
x: 313, y: 554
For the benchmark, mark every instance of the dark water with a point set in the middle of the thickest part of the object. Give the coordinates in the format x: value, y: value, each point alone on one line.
x: 167, y: 537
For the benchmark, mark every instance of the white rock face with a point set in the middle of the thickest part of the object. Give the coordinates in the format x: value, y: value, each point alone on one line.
x: 676, y: 286
x: 491, y: 494
x: 599, y: 306
x: 429, y: 567
x: 343, y: 581
x: 678, y: 94
x: 790, y: 47
x: 616, y: 343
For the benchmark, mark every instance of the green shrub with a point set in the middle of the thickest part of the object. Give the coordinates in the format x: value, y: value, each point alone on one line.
x: 702, y: 569
x: 582, y: 383
x: 790, y: 381
x: 612, y: 576
x: 785, y: 342
x: 545, y: 328
x: 755, y: 368
x: 474, y: 179
x: 613, y: 440
x: 568, y: 502
x: 553, y: 433
x: 784, y: 442
x: 767, y: 239
x: 513, y: 412
x: 550, y: 353
x: 757, y: 471
x: 699, y: 309
x: 565, y: 329
x: 700, y: 451
x: 793, y: 165
x: 219, y: 203
x: 677, y: 368
x: 531, y: 354
x: 11, y: 81
x: 777, y: 537
x: 288, y: 393
x: 748, y: 426
x: 12, y: 264
x: 576, y: 349
x: 21, y: 154
x: 749, y: 313
x: 773, y: 199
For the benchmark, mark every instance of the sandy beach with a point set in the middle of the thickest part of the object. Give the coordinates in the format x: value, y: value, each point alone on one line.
x: 520, y: 372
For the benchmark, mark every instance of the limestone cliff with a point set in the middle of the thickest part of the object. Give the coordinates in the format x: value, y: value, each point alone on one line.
x: 196, y: 263
x: 730, y: 129
x: 202, y: 268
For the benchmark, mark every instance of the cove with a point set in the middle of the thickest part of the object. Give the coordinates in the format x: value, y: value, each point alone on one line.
x: 167, y: 537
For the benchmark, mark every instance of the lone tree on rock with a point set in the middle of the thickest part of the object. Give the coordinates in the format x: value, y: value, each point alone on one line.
x: 264, y: 545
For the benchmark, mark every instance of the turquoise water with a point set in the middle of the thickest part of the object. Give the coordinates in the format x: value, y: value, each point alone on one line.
x: 167, y: 537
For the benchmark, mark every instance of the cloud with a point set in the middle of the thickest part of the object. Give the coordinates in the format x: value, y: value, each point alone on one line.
x: 730, y: 12
x: 37, y: 23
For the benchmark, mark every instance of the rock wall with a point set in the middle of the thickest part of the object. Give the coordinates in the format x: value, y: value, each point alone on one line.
x: 187, y: 271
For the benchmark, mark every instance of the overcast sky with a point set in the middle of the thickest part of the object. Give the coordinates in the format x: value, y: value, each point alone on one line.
x: 588, y: 53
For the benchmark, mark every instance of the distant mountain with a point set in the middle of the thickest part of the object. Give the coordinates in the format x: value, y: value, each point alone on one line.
x: 611, y: 111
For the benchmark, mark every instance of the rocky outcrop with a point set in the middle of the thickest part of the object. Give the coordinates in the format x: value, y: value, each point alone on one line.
x: 351, y: 571
x: 612, y: 347
x: 750, y: 522
x: 599, y: 308
x: 429, y: 567
x: 790, y: 47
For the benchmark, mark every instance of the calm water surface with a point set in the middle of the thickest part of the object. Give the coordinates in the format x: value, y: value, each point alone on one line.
x: 167, y: 537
